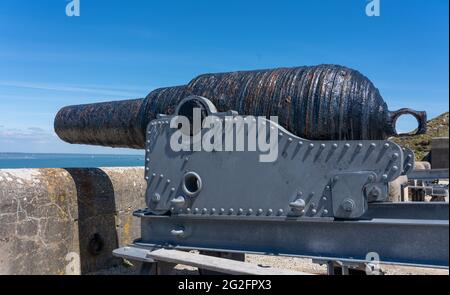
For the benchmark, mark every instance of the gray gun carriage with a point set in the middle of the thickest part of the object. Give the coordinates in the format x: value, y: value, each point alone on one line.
x: 323, y: 197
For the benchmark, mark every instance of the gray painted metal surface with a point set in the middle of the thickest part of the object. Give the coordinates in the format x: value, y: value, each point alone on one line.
x: 408, y: 211
x: 308, y: 179
x: 416, y: 242
x: 432, y: 174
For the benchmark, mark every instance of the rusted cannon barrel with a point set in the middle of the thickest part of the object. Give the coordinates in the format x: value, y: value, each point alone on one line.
x: 319, y: 102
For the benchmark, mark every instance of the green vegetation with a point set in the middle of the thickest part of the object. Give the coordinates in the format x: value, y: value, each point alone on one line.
x: 421, y: 144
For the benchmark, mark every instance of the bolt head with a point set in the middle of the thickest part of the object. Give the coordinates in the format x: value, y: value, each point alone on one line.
x: 348, y: 205
x: 375, y: 192
x: 156, y: 197
x: 298, y: 205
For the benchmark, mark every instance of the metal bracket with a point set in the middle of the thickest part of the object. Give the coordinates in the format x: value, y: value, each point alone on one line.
x: 349, y: 200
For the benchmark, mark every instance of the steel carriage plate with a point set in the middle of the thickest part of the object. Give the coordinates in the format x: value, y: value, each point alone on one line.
x: 237, y: 183
x: 394, y: 241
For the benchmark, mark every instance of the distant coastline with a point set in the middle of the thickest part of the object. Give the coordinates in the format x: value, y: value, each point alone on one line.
x: 65, y: 160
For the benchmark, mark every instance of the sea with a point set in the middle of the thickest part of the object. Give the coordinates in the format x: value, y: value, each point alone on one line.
x: 25, y: 160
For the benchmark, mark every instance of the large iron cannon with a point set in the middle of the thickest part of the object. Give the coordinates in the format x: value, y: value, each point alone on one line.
x: 316, y: 189
x: 320, y: 102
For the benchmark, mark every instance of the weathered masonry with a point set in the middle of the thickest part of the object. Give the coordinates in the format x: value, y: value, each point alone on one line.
x: 67, y: 221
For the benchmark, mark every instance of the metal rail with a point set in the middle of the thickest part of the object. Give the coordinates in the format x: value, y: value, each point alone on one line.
x: 428, y: 174
x: 418, y: 236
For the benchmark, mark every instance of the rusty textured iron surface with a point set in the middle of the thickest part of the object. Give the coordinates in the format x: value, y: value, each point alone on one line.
x: 318, y: 102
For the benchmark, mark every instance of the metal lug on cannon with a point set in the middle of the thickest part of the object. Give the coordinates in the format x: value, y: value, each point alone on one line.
x: 179, y: 233
x: 178, y: 201
x: 298, y: 205
x: 375, y: 192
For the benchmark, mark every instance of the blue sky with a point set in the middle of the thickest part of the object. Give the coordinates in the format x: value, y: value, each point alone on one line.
x: 124, y: 49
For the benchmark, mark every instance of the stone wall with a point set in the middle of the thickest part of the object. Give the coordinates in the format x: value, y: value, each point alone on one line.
x: 67, y: 221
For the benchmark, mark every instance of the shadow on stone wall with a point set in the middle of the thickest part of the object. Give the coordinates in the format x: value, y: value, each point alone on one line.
x: 96, y: 218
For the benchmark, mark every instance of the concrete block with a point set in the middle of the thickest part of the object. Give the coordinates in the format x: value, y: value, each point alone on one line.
x: 67, y: 221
